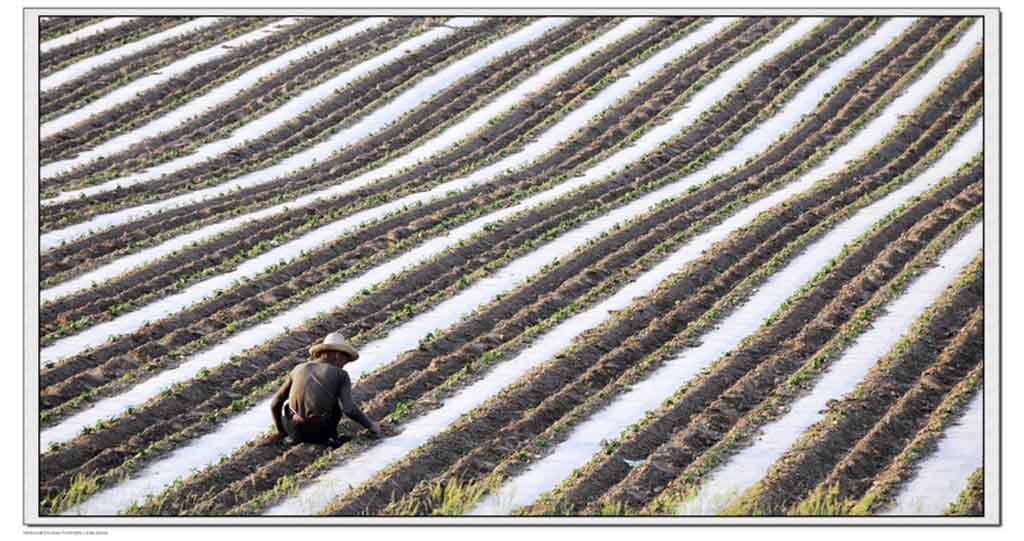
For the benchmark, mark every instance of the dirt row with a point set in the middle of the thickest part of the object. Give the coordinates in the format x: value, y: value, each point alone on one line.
x: 338, y: 111
x: 587, y: 369
x: 251, y: 102
x: 330, y: 252
x: 852, y: 476
x: 63, y: 262
x: 743, y: 380
x: 848, y: 420
x: 55, y: 59
x: 156, y: 101
x: 853, y: 82
x: 297, y: 135
x: 971, y: 501
x: 109, y: 76
x: 600, y: 475
x: 56, y: 27
x: 247, y: 239
x: 538, y: 384
x: 311, y: 336
x: 904, y: 467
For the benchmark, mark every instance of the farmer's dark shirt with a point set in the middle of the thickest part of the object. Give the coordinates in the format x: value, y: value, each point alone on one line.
x: 316, y: 388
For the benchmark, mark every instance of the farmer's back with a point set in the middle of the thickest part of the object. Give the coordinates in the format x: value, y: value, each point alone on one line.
x: 316, y: 388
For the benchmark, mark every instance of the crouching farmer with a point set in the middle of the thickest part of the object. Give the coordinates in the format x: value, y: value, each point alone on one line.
x: 313, y: 397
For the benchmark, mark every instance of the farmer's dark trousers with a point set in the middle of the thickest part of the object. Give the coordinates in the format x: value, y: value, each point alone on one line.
x: 317, y: 430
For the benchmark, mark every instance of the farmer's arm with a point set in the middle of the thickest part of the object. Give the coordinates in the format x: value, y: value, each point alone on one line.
x: 279, y: 399
x: 348, y: 406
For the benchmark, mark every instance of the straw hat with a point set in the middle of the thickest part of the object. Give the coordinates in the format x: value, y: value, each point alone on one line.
x: 335, y: 342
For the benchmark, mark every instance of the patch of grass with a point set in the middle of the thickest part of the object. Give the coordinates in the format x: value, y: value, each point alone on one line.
x: 446, y: 498
x: 81, y: 486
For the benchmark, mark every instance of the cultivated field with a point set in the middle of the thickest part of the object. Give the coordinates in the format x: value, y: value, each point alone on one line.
x: 594, y: 265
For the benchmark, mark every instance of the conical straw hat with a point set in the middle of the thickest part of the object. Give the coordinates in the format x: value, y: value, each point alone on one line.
x: 335, y: 342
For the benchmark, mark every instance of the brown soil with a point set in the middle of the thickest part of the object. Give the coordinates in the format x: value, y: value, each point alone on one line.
x: 55, y: 59
x: 192, y: 261
x: 852, y: 476
x: 336, y: 112
x: 221, y: 120
x: 707, y: 413
x: 799, y: 470
x: 56, y: 27
x: 102, y: 126
x: 108, y: 77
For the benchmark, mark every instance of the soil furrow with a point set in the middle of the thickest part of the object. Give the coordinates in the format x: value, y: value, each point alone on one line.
x: 848, y: 420
x: 329, y: 253
x: 563, y: 375
x: 707, y: 411
x: 59, y: 265
x: 196, y: 262
x: 904, y: 467
x: 339, y: 111
x: 55, y: 59
x: 56, y: 27
x: 600, y: 475
x: 850, y: 479
x: 184, y: 87
x: 474, y: 465
x: 271, y: 92
x: 108, y: 77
